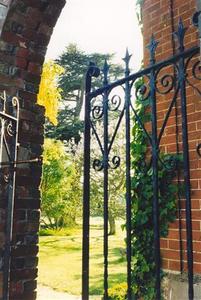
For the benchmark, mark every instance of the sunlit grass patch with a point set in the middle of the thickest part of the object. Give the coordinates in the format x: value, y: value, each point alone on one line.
x: 60, y: 260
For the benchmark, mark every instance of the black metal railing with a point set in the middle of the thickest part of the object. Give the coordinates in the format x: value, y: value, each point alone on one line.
x: 9, y: 122
x: 9, y: 146
x: 169, y: 77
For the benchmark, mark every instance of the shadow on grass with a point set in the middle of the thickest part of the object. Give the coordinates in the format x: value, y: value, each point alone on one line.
x: 77, y: 276
x: 97, y: 287
x: 46, y: 243
x: 59, y: 247
x: 118, y: 251
x: 96, y: 227
x: 96, y: 256
x: 118, y: 261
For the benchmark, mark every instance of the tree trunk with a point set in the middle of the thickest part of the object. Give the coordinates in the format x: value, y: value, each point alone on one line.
x: 112, y: 224
x: 80, y: 99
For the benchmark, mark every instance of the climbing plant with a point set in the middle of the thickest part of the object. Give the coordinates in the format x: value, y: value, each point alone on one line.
x: 143, y: 266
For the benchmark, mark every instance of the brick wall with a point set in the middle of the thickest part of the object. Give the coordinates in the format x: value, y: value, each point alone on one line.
x: 161, y: 18
x: 26, y: 31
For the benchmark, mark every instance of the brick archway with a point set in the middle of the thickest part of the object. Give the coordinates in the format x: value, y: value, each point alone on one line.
x: 26, y: 27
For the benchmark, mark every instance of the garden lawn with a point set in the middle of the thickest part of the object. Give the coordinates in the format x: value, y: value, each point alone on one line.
x: 60, y: 259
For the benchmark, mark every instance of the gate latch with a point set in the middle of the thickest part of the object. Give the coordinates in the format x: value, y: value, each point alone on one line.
x: 18, y: 162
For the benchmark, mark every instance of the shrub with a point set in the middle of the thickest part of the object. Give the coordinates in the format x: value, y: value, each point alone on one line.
x: 118, y: 292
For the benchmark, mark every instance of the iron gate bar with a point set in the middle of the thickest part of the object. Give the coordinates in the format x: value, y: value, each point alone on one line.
x: 7, y: 148
x: 105, y: 171
x: 154, y: 145
x: 141, y: 124
x: 182, y: 83
x: 97, y: 137
x: 7, y: 116
x: 92, y: 72
x: 128, y: 175
x: 116, y: 130
x: 168, y: 114
x: 12, y: 154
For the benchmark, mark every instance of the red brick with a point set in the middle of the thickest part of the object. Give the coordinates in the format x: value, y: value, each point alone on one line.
x: 174, y: 265
x: 34, y: 68
x: 170, y: 254
x: 21, y: 63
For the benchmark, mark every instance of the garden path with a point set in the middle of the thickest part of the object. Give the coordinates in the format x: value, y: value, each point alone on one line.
x: 46, y: 293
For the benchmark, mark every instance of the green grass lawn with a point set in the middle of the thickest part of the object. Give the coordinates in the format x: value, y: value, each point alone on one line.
x: 60, y: 260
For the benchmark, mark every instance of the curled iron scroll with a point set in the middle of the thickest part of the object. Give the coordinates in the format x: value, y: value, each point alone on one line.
x: 166, y: 83
x: 97, y: 108
x: 142, y: 92
x: 115, y: 162
x: 114, y: 103
x: 97, y: 112
x: 10, y: 129
x: 195, y: 73
x: 197, y: 70
x: 199, y: 150
x: 97, y: 164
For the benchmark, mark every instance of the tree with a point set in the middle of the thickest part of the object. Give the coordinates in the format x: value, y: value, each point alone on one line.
x: 69, y: 127
x: 116, y: 181
x: 75, y: 63
x: 49, y: 92
x: 60, y: 187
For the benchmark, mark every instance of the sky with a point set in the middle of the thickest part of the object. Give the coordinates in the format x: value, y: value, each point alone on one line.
x: 105, y: 26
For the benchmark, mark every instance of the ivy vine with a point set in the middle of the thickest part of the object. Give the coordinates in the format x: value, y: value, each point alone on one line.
x: 143, y: 266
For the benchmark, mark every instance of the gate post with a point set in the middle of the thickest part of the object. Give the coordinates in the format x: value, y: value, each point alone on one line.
x: 155, y: 150
x: 105, y: 171
x: 93, y: 71
x: 128, y: 175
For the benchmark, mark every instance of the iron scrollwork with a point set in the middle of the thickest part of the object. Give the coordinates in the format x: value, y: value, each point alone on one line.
x: 165, y: 83
x: 199, y: 150
x: 197, y: 70
x: 115, y: 103
x: 97, y: 108
x: 97, y: 164
x: 142, y: 92
x: 193, y: 72
x: 9, y: 115
x: 115, y: 162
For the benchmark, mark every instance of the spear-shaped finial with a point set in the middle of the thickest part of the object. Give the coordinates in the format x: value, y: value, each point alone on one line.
x: 152, y: 48
x: 105, y: 70
x: 180, y: 34
x: 126, y: 59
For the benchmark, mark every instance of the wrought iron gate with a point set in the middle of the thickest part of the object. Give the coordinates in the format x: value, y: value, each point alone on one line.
x: 9, y: 144
x: 169, y: 77
x: 9, y: 122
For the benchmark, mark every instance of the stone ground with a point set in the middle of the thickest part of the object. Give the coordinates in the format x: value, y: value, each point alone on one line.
x: 46, y: 293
